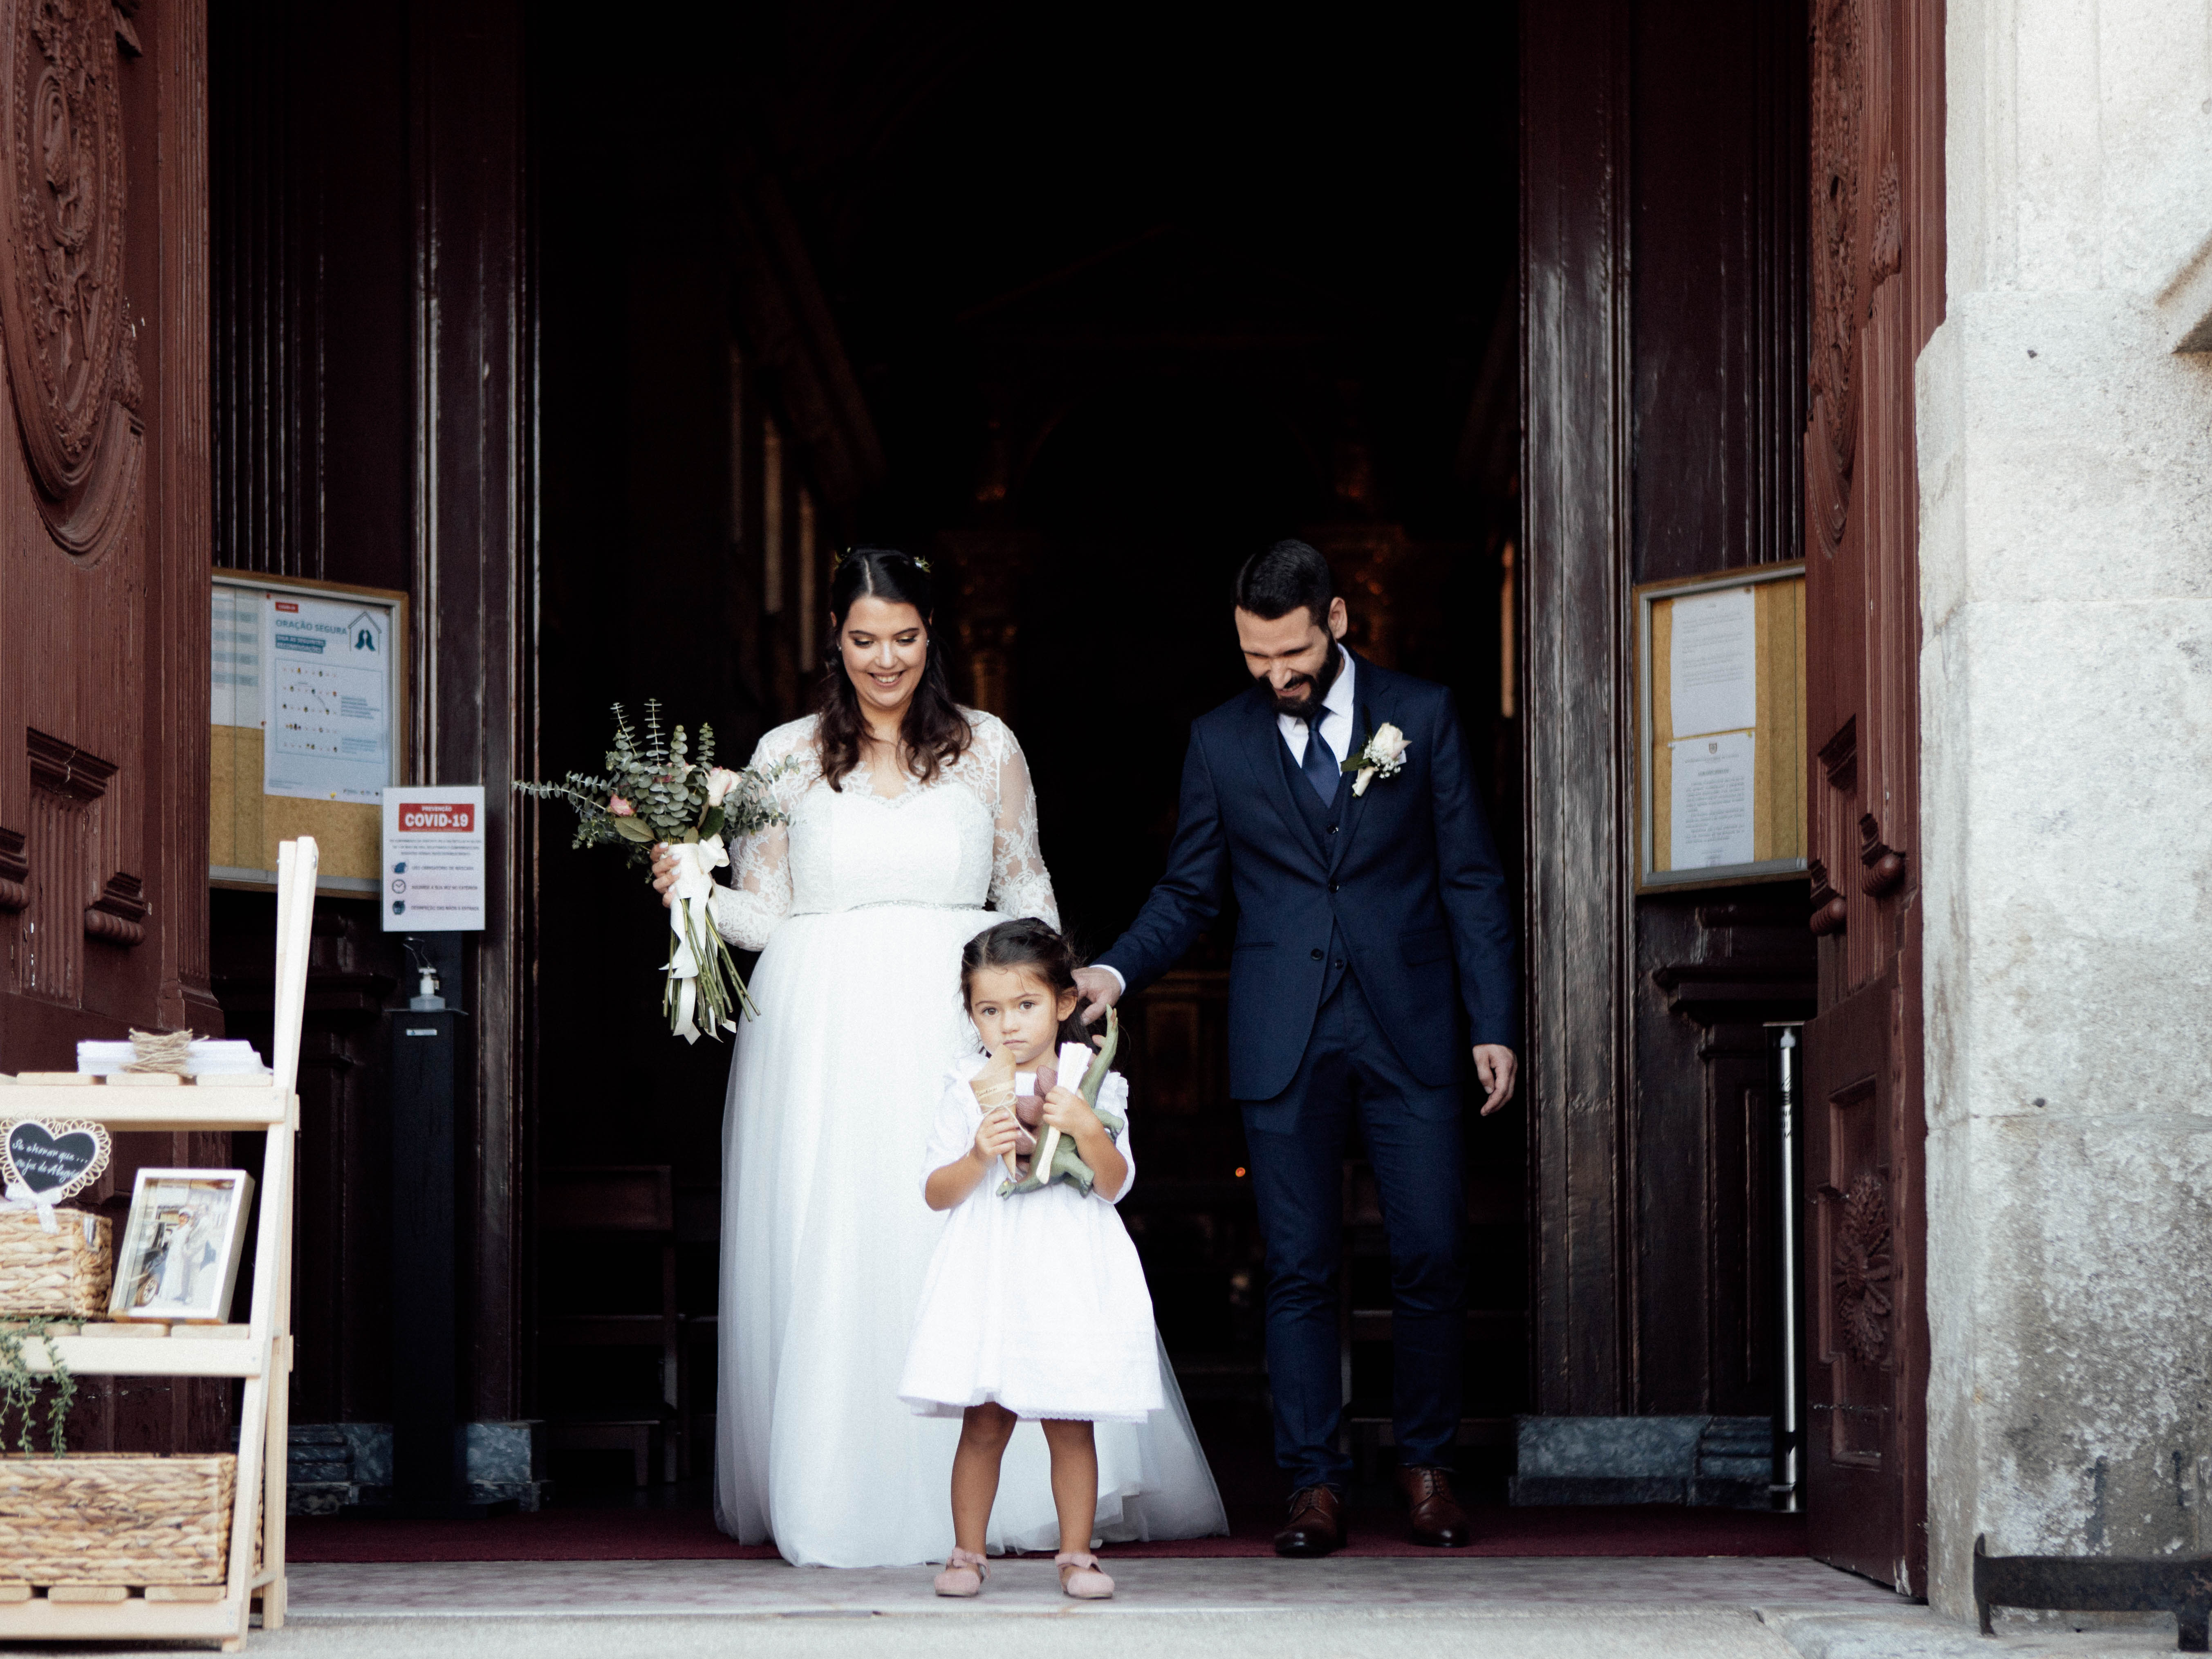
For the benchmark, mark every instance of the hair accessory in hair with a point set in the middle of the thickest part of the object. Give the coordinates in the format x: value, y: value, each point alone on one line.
x: 914, y: 559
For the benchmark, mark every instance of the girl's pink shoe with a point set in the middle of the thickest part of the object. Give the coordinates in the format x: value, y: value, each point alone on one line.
x: 1079, y: 1577
x: 964, y: 1573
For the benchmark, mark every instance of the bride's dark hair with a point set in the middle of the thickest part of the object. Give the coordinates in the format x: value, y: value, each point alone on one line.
x: 935, y: 733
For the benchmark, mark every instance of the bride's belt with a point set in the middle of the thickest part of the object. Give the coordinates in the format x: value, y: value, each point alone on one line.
x: 891, y: 904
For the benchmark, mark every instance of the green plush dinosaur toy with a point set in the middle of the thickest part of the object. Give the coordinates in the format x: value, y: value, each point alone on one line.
x: 1056, y: 1159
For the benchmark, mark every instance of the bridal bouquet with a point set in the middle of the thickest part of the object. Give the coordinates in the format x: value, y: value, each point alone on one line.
x: 654, y: 792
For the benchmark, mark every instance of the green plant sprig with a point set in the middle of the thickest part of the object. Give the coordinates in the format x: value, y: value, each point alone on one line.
x: 664, y: 786
x: 19, y: 1387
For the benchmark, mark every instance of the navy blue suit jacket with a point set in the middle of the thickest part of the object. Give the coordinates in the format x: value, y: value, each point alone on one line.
x: 1411, y: 883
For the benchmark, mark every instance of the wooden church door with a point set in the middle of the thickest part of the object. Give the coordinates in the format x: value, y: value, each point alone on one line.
x: 1876, y: 228
x: 104, y: 592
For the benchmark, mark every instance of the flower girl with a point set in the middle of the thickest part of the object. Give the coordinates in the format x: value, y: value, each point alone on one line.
x: 1035, y: 1305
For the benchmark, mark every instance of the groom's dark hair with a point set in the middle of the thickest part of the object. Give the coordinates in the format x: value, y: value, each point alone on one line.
x: 1287, y: 575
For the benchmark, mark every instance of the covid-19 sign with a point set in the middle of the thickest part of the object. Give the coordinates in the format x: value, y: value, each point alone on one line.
x: 433, y: 859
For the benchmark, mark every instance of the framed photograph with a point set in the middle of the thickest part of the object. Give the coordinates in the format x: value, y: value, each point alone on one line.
x: 179, y: 1258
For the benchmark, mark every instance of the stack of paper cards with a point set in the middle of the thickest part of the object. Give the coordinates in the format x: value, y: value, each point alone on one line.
x: 210, y: 1057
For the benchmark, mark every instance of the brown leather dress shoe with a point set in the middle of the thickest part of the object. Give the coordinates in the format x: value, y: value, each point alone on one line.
x: 1437, y: 1517
x: 1316, y: 1523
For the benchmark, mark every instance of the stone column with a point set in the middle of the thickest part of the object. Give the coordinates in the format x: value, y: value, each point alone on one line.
x: 2066, y: 671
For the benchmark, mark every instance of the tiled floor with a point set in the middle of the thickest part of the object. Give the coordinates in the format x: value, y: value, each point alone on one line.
x: 526, y: 1588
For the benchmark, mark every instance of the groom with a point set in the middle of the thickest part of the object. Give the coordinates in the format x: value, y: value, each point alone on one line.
x: 1373, y: 938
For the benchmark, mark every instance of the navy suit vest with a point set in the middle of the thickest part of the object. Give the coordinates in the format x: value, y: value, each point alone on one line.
x: 1325, y: 824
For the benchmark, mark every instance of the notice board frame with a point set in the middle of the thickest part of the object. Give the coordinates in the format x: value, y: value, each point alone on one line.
x: 341, y: 828
x: 1782, y: 736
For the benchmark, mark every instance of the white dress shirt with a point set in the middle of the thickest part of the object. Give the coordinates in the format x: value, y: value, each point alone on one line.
x: 1335, y: 726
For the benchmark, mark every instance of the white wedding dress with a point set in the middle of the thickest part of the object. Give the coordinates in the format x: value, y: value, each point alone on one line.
x: 859, y: 907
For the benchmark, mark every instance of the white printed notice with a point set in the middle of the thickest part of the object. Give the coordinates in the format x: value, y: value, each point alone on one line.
x: 1709, y: 819
x: 234, y: 658
x: 328, y: 699
x: 433, y: 859
x: 1712, y: 662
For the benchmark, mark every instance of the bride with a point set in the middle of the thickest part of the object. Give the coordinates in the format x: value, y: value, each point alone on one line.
x: 912, y: 827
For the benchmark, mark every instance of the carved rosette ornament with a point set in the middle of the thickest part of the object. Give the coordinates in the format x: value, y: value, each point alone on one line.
x: 1888, y: 258
x: 1861, y: 1271
x: 1831, y: 426
x: 69, y: 353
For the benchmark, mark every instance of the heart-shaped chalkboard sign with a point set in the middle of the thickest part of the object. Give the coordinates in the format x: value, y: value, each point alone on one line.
x: 54, y: 1161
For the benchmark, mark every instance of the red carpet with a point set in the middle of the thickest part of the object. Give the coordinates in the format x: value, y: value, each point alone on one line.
x: 688, y: 1534
x: 553, y: 1534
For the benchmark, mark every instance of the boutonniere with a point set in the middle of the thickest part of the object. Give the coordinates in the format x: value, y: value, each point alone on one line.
x: 1383, y: 757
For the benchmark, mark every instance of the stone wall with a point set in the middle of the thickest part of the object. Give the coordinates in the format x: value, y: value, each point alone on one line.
x: 2066, y: 718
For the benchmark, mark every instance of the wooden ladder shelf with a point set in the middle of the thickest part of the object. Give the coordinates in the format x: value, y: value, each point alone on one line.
x: 259, y: 1351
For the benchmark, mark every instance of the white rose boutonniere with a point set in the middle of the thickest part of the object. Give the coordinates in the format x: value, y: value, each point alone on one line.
x: 1382, y: 757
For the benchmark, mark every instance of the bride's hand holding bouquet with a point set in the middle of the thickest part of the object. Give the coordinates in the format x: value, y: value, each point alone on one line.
x: 662, y: 808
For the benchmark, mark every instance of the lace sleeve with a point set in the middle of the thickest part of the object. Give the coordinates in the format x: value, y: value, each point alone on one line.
x: 1020, y: 885
x: 759, y: 897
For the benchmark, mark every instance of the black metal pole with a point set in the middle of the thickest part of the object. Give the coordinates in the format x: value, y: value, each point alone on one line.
x: 1790, y: 1436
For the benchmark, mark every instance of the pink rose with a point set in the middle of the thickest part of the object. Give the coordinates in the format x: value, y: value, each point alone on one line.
x: 621, y: 808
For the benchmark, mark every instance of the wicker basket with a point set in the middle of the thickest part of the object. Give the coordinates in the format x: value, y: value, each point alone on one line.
x: 116, y: 1518
x: 62, y: 1272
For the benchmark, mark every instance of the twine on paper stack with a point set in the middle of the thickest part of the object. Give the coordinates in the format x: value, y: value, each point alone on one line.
x: 161, y: 1051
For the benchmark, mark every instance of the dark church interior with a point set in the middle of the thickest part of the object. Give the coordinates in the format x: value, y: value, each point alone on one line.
x: 1084, y: 305
x: 1096, y: 322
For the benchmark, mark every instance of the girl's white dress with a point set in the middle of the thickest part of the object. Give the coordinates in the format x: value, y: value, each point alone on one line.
x: 859, y: 907
x: 1036, y: 1300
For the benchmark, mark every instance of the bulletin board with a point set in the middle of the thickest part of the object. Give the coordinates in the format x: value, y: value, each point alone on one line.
x: 308, y: 726
x: 1720, y: 695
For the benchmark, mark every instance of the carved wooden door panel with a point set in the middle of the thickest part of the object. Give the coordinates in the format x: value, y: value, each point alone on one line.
x: 1877, y: 259
x: 104, y: 608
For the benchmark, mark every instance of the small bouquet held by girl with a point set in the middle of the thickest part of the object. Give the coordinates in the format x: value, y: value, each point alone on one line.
x: 1041, y: 1153
x: 654, y: 795
x: 1033, y: 1307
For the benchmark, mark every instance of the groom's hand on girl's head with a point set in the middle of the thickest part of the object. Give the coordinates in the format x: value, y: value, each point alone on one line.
x: 1101, y: 991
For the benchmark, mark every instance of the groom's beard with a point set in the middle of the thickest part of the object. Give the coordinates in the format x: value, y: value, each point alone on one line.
x: 1303, y: 697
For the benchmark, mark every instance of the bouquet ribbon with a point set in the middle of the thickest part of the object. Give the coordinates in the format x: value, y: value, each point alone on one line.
x: 689, y: 913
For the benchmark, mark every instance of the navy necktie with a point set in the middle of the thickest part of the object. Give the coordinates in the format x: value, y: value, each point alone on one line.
x: 1319, y: 765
